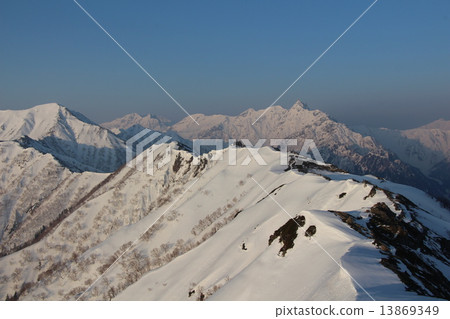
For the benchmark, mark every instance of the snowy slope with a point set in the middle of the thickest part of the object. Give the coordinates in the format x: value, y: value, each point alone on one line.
x: 306, y: 273
x: 195, y: 220
x: 69, y: 136
x: 34, y: 189
x: 128, y: 133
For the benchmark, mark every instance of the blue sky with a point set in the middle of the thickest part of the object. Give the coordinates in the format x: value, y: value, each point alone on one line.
x: 391, y: 69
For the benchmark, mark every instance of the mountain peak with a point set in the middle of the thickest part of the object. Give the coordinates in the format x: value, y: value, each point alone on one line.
x: 300, y: 105
x: 68, y: 135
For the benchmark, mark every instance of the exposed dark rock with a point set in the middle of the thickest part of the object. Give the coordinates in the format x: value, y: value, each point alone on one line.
x: 287, y: 233
x: 341, y: 195
x: 445, y: 246
x: 201, y: 166
x: 310, y: 231
x: 372, y: 193
x: 239, y: 144
x: 406, y: 244
x: 391, y: 263
x: 306, y: 166
x: 350, y: 220
x: 188, y: 167
x: 177, y: 163
x: 237, y: 213
x: 273, y: 191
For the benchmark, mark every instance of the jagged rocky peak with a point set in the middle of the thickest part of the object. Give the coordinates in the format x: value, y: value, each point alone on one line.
x: 300, y: 105
x: 247, y: 112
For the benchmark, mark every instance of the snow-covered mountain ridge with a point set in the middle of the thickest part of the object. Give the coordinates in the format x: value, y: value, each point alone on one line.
x: 195, y: 221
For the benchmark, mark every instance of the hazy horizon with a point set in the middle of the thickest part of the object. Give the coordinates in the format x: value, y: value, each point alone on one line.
x: 390, y: 70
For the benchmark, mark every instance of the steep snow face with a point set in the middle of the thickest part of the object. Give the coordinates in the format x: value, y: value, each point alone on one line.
x: 204, y: 233
x: 149, y: 121
x: 67, y: 135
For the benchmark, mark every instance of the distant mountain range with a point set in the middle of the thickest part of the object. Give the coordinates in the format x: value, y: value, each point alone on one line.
x: 149, y: 121
x: 426, y: 148
x: 418, y: 157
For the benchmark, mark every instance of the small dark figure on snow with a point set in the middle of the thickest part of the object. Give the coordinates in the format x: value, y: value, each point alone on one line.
x: 243, y: 246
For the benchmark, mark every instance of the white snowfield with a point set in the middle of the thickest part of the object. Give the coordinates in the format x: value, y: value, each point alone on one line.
x: 202, y: 232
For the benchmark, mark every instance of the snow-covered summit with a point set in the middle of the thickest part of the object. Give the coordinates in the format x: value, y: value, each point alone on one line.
x: 35, y: 122
x: 300, y: 105
x: 64, y: 134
